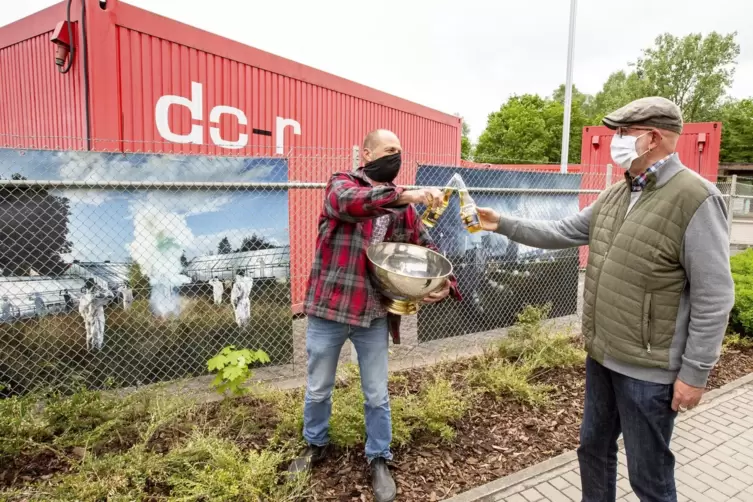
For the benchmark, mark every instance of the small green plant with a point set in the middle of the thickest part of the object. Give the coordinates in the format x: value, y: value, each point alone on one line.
x: 441, y: 405
x: 289, y: 408
x: 347, y: 426
x: 531, y: 341
x: 210, y: 468
x: 503, y: 378
x: 232, y: 367
x: 204, y: 467
x: 405, y: 418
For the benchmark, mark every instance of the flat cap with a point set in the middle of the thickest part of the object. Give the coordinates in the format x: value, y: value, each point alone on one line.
x: 654, y: 111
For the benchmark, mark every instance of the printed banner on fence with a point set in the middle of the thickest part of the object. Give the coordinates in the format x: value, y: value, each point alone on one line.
x: 129, y: 285
x: 496, y: 276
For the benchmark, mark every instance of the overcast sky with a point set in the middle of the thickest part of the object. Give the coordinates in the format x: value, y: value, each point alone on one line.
x: 462, y: 57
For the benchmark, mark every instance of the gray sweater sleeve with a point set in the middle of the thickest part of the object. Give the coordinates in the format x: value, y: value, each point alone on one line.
x: 705, y: 258
x: 548, y: 234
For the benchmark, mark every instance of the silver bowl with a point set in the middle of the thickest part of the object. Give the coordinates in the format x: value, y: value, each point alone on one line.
x: 406, y: 273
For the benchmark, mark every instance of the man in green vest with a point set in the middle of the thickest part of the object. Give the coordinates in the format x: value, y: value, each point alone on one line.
x: 657, y: 297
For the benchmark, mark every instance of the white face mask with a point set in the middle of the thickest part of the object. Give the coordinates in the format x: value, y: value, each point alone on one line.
x: 623, y: 150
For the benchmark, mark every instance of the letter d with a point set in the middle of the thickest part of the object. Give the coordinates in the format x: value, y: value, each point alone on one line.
x: 194, y: 104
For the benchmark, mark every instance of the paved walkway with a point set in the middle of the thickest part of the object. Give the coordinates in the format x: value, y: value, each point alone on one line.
x: 713, y: 445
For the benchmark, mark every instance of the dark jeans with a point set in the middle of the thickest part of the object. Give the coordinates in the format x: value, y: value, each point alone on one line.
x: 642, y: 411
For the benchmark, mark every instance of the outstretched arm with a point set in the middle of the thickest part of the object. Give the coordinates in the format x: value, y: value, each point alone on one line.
x: 348, y: 201
x: 568, y: 232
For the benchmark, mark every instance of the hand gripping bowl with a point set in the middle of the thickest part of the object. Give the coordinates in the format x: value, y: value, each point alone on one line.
x: 406, y: 273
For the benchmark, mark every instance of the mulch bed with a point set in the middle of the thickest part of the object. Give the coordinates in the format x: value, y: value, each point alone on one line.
x: 495, y: 439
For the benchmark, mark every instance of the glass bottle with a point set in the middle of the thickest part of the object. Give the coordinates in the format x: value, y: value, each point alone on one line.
x: 468, y: 212
x: 431, y: 216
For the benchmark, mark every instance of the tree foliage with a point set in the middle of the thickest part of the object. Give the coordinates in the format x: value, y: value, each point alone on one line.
x: 693, y: 71
x: 466, y: 148
x: 527, y: 129
x: 255, y: 243
x: 34, y: 229
x: 737, y: 131
x: 224, y: 247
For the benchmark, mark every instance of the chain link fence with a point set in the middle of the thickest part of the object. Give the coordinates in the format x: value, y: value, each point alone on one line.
x: 125, y: 269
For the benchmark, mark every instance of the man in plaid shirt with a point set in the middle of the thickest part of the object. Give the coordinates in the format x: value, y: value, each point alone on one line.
x: 360, y: 209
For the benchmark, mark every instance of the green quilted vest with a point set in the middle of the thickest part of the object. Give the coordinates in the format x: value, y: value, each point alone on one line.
x: 634, y: 279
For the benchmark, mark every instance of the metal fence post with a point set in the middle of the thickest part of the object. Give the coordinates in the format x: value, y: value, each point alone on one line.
x: 732, y: 194
x: 609, y: 176
x: 356, y: 157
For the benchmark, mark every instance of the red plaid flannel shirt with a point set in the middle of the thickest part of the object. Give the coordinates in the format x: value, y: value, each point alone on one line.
x: 339, y: 287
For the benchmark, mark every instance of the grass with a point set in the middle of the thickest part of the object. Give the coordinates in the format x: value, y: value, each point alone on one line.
x: 152, y: 445
x: 534, y: 343
x: 140, y: 348
x: 509, y: 368
x: 506, y: 380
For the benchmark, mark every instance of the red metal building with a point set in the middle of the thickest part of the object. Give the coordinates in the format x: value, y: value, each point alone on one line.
x: 152, y: 84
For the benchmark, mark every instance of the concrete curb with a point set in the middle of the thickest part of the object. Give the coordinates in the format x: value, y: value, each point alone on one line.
x: 484, y: 493
x: 520, y: 479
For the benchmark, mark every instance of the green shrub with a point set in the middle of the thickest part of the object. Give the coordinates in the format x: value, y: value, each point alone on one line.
x: 233, y: 368
x: 405, y: 411
x: 347, y: 425
x: 209, y: 468
x: 735, y: 341
x: 118, y: 477
x: 441, y: 406
x: 434, y: 410
x: 534, y: 343
x: 21, y: 426
x: 289, y: 408
x: 204, y: 468
x: 741, y: 317
x: 505, y: 379
x: 86, y: 419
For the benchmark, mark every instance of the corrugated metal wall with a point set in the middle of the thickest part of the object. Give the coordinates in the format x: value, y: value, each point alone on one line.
x: 331, y: 123
x: 40, y: 108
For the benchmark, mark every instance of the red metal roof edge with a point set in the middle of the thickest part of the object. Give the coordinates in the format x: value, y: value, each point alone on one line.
x: 144, y: 21
x: 36, y: 24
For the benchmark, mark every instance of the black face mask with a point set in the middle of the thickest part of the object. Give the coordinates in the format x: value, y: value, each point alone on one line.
x: 383, y: 169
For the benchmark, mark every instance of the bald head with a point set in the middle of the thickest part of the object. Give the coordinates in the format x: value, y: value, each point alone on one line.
x: 379, y: 143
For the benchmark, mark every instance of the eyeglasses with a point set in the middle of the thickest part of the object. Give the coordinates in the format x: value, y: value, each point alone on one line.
x: 623, y: 131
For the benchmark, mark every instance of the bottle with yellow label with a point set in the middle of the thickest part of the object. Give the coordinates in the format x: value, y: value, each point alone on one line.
x: 431, y: 216
x: 468, y: 212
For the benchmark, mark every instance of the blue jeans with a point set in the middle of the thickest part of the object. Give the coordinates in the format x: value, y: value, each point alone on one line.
x: 324, y: 340
x: 642, y: 411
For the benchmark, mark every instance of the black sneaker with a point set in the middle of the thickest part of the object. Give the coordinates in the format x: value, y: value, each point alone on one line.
x: 382, y: 482
x: 310, y: 456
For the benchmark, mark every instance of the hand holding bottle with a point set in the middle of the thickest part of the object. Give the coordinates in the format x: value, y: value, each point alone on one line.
x: 489, y: 218
x: 429, y: 197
